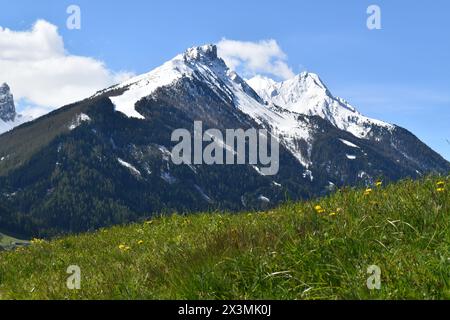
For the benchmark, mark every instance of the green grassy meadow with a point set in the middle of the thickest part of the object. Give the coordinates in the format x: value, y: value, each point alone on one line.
x: 309, y: 250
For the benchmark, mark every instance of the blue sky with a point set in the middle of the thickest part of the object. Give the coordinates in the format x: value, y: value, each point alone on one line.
x: 398, y: 74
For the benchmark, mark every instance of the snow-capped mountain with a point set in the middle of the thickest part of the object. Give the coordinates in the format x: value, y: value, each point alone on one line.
x: 8, y: 116
x: 307, y: 94
x: 198, y: 63
x: 106, y: 160
x: 203, y: 64
x: 285, y: 107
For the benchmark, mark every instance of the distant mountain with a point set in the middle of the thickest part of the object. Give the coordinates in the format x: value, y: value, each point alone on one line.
x: 306, y: 94
x: 106, y: 160
x: 8, y: 116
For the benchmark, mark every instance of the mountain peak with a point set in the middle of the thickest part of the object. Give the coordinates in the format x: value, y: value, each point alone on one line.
x: 197, y: 53
x: 201, y: 61
x: 311, y: 79
x: 7, y: 108
x: 307, y: 94
x: 4, y: 87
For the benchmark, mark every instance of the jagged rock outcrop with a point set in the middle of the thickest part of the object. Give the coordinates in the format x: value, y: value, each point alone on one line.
x: 7, y: 108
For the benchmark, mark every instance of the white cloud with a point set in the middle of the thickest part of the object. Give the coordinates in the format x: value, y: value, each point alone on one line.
x: 39, y: 70
x: 264, y: 56
x: 34, y: 111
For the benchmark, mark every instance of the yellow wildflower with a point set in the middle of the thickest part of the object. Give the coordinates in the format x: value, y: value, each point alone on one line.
x: 37, y: 241
x: 440, y: 183
x: 319, y: 209
x: 368, y: 192
x: 140, y: 242
x: 440, y: 189
x: 379, y: 183
x: 333, y: 214
x: 123, y: 247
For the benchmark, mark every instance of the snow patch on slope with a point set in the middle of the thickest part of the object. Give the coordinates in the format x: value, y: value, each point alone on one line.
x: 264, y: 199
x: 189, y: 64
x: 142, y: 86
x: 349, y: 144
x: 79, y: 119
x: 129, y: 166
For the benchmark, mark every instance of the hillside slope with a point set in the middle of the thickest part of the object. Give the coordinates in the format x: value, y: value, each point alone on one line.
x: 310, y: 250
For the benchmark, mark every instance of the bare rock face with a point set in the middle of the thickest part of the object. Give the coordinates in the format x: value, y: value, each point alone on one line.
x: 7, y: 108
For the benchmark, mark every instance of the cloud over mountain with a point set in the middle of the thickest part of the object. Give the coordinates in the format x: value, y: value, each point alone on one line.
x: 40, y: 70
x: 264, y: 56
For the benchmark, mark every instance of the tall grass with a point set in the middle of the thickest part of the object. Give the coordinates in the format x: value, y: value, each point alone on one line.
x: 310, y: 250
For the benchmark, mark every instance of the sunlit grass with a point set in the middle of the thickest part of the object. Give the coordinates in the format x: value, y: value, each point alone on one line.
x: 312, y: 250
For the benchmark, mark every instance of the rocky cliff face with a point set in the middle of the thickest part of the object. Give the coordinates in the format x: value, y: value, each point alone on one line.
x: 7, y: 108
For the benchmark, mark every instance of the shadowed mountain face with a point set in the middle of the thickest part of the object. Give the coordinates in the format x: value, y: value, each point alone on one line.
x: 106, y: 160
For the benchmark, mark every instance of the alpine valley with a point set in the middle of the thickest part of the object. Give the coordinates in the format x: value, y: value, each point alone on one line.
x: 106, y: 160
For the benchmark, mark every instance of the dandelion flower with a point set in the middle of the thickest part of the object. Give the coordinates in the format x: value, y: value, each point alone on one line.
x: 368, y: 192
x: 319, y: 209
x: 440, y: 184
x: 379, y: 183
x: 332, y: 214
x: 37, y: 241
x: 124, y: 248
x: 440, y: 189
